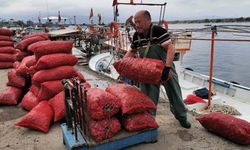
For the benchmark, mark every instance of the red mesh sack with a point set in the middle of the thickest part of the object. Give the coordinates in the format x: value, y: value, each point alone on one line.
x: 5, y: 65
x: 39, y: 118
x: 103, y: 129
x: 6, y: 32
x: 15, y: 80
x: 8, y: 49
x: 86, y: 85
x: 34, y: 89
x: 58, y: 73
x: 16, y: 64
x: 55, y: 60
x: 22, y: 45
x: 32, y: 47
x: 192, y: 99
x: 7, y: 57
x: 29, y: 61
x: 144, y: 70
x: 25, y: 64
x: 80, y: 76
x: 6, y: 43
x: 227, y: 126
x: 41, y: 34
x: 54, y: 47
x: 138, y: 122
x: 58, y: 105
x: 49, y: 89
x: 132, y: 99
x: 101, y: 104
x: 29, y: 101
x: 5, y: 38
x: 21, y: 54
x: 10, y: 96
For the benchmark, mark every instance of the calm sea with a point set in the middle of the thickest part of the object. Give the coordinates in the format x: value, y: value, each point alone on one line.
x: 231, y: 59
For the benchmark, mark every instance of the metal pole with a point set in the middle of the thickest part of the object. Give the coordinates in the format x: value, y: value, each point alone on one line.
x: 74, y: 96
x: 211, y: 66
x: 207, y: 39
x: 114, y: 13
x: 148, y: 4
x: 159, y: 23
x: 67, y: 105
x: 163, y: 15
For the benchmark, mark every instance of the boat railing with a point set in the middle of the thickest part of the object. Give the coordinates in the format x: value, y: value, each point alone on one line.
x: 214, y: 31
x: 182, y: 41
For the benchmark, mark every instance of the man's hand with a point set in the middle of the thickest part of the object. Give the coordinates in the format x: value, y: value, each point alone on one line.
x: 165, y: 74
x: 130, y: 53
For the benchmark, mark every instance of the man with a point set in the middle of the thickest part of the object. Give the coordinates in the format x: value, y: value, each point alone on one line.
x: 154, y: 42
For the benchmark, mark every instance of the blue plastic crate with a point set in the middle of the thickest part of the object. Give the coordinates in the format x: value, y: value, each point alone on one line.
x: 122, y: 140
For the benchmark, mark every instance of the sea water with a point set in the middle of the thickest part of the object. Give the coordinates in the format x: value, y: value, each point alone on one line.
x: 231, y: 59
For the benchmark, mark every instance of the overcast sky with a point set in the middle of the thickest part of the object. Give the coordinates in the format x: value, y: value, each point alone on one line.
x: 176, y: 9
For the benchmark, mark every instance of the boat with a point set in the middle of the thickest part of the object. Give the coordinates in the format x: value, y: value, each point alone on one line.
x: 14, y: 25
x: 38, y: 27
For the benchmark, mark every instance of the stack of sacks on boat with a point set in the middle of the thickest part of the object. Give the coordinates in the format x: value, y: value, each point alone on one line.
x: 134, y: 107
x: 7, y: 50
x: 101, y: 108
x: 45, y: 98
x: 22, y: 46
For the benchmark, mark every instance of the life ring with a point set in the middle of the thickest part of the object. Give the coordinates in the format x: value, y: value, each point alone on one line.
x: 114, y: 29
x: 164, y: 24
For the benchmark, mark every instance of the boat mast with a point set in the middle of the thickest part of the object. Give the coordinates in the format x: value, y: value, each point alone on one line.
x: 39, y: 18
x: 162, y: 10
x: 47, y: 7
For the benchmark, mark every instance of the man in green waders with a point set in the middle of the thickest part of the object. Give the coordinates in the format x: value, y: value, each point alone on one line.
x: 151, y: 41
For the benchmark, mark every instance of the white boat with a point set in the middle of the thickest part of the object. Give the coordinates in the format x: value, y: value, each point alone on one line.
x: 37, y: 27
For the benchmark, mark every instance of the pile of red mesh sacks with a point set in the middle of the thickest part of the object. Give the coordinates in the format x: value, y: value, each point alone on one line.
x: 41, y: 72
x: 134, y: 107
x: 7, y: 50
x: 104, y: 113
x: 101, y: 107
x: 26, y: 41
x: 54, y: 62
x: 21, y: 60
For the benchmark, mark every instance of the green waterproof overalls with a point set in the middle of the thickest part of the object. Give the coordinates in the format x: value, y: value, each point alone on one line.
x: 172, y: 87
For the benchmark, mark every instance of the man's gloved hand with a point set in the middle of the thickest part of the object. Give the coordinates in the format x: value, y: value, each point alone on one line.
x: 165, y: 74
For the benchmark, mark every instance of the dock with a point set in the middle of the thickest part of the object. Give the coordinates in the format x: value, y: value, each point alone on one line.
x: 170, y: 134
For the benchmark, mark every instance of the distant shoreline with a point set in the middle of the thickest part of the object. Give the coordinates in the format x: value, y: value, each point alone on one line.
x: 206, y: 21
x: 219, y: 20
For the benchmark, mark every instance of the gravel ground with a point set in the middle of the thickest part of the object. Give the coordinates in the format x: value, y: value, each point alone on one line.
x: 171, y: 135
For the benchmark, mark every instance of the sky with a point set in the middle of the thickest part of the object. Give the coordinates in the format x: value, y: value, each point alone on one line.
x: 175, y: 10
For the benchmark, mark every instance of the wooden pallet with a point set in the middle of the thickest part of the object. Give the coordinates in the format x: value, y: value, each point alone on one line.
x: 122, y: 140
